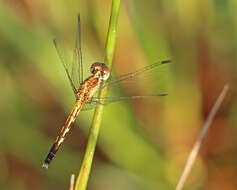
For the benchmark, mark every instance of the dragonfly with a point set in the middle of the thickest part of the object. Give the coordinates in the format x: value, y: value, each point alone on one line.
x: 85, y: 90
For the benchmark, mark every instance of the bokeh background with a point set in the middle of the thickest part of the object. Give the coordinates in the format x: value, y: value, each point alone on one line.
x: 143, y: 144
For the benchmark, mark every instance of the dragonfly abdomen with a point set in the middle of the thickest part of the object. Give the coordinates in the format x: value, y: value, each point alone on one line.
x: 65, y: 129
x: 87, y: 90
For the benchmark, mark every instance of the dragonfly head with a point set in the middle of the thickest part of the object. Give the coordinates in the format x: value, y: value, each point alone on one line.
x: 101, y: 70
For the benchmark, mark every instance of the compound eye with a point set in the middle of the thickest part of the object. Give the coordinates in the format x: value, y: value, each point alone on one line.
x: 106, y: 72
x: 95, y: 67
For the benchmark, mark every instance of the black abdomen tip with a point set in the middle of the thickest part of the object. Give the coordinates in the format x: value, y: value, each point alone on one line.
x: 50, y: 156
x: 166, y: 61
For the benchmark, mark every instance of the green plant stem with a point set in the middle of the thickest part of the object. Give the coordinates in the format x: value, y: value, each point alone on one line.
x: 82, y: 179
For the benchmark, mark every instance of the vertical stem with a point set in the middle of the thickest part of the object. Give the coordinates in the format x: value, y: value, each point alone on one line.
x: 83, y: 176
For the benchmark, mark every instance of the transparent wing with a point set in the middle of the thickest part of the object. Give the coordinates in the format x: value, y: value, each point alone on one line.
x: 65, y: 65
x: 131, y: 76
x: 108, y: 100
x: 127, y: 79
x: 77, y: 67
x: 105, y: 101
x: 73, y: 67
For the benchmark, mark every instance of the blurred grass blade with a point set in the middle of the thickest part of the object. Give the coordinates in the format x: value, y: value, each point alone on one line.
x: 197, y: 145
x: 72, y: 179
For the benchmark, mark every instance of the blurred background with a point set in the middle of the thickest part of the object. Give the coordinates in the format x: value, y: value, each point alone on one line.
x: 143, y: 144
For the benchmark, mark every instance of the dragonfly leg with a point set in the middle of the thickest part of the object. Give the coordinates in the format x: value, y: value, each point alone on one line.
x: 95, y: 101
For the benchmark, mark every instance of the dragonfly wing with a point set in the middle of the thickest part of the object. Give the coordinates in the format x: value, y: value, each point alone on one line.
x: 73, y: 66
x: 108, y: 100
x: 105, y: 101
x: 128, y: 79
x: 65, y: 64
x: 133, y: 75
x: 77, y: 67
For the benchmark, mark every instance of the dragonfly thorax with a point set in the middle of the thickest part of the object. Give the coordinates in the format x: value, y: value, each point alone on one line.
x: 100, y: 70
